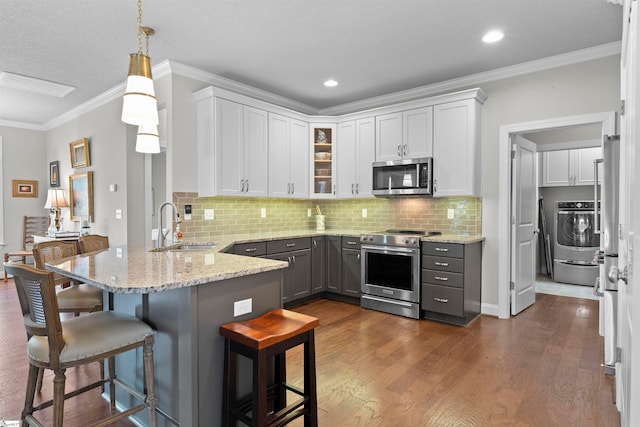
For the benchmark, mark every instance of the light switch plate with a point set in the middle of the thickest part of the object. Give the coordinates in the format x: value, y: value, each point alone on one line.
x: 364, y: 213
x: 118, y: 213
x: 450, y: 213
x: 263, y: 213
x: 208, y: 214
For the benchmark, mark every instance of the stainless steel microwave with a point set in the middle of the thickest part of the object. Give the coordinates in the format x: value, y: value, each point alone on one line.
x: 411, y: 177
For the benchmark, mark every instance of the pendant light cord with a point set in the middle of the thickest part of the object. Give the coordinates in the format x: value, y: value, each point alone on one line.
x: 140, y: 29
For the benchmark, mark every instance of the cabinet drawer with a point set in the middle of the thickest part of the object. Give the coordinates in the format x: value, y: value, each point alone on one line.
x: 454, y: 250
x: 443, y: 278
x: 288, y: 245
x: 442, y: 299
x: 455, y: 265
x: 351, y: 243
x: 251, y: 249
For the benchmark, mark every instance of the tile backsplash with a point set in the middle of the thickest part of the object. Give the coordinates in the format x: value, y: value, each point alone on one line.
x: 233, y: 215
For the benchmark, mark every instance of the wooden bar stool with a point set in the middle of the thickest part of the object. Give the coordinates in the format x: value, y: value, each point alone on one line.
x: 260, y: 339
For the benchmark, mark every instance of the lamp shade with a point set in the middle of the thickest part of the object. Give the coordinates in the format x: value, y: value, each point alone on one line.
x: 148, y: 140
x: 140, y: 106
x: 56, y: 198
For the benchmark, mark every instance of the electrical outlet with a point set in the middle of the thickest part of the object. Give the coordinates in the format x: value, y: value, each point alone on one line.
x: 308, y: 213
x: 242, y: 307
x: 364, y: 213
x: 118, y: 213
x: 263, y: 212
x: 450, y: 213
x: 208, y: 214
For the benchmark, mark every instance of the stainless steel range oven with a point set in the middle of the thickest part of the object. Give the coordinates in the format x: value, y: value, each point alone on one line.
x: 391, y: 271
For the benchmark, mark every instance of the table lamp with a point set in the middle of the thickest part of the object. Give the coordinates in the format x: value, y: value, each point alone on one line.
x: 56, y: 199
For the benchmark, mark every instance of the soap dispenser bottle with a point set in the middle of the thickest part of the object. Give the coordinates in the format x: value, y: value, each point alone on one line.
x: 177, y: 235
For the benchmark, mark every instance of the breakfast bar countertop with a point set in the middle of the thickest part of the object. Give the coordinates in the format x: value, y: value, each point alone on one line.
x: 139, y: 269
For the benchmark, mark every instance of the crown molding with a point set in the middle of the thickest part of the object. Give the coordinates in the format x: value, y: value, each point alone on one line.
x: 478, y: 79
x: 241, y: 88
x: 168, y: 67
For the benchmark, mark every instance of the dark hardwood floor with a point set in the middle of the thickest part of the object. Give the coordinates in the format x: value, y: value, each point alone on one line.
x: 541, y: 368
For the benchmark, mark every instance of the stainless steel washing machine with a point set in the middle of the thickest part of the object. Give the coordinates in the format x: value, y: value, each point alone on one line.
x: 576, y: 243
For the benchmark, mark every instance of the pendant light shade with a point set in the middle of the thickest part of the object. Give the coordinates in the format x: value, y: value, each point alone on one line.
x: 148, y: 140
x: 140, y: 106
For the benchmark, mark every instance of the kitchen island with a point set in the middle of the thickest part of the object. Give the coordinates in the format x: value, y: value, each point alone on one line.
x: 185, y: 295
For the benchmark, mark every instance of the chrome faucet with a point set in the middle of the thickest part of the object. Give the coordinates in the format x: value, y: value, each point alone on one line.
x: 163, y: 235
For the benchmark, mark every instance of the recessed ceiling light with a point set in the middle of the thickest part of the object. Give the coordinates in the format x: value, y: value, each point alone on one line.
x: 493, y: 36
x: 331, y: 83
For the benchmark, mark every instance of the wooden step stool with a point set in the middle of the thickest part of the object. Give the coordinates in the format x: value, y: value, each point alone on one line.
x: 260, y: 339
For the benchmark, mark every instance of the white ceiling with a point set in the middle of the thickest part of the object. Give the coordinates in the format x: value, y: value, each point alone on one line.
x: 287, y: 47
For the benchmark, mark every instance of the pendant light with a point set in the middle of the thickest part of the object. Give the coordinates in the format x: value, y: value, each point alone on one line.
x: 148, y: 140
x: 140, y: 106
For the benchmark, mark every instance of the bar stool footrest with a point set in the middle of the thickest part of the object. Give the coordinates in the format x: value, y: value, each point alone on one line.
x: 277, y: 418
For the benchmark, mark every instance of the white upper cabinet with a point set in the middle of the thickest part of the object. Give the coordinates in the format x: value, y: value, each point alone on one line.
x: 241, y: 147
x: 569, y: 167
x: 355, y: 154
x: 288, y: 157
x: 456, y: 148
x: 247, y: 147
x: 404, y: 135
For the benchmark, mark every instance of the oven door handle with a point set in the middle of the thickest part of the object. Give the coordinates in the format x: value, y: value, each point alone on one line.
x: 389, y: 249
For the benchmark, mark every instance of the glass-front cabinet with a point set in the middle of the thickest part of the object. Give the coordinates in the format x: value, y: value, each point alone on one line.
x: 323, y: 142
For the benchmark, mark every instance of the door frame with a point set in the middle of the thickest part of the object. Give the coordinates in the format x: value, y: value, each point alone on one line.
x: 606, y: 119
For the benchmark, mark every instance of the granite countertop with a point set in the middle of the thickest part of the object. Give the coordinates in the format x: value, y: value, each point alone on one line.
x: 138, y: 268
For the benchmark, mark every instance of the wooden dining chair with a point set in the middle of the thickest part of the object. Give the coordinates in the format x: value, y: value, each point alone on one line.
x: 93, y: 242
x: 32, y: 226
x: 79, y: 297
x: 60, y: 344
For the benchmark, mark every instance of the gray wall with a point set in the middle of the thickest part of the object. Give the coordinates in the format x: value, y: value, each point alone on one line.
x: 23, y: 157
x: 589, y: 87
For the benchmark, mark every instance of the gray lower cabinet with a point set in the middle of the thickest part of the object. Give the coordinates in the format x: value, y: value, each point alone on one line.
x: 451, y: 281
x: 351, y: 266
x: 334, y: 264
x: 318, y: 264
x: 297, y: 278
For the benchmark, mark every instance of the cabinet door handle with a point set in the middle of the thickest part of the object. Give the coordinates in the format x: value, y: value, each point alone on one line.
x: 442, y: 279
x: 288, y: 188
x: 293, y: 188
x: 404, y: 149
x: 294, y: 261
x: 357, y: 190
x: 290, y: 245
x: 289, y: 261
x: 442, y: 264
x: 358, y: 258
x: 352, y: 188
x: 399, y: 152
x: 251, y: 249
x: 315, y: 243
x: 442, y: 249
x: 349, y: 242
x: 334, y: 189
x: 442, y: 300
x: 242, y: 185
x: 246, y: 190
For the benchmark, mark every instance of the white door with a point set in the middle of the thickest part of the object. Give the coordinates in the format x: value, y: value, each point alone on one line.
x: 628, y: 378
x: 524, y: 225
x: 365, y: 156
x: 299, y: 158
x: 346, y: 159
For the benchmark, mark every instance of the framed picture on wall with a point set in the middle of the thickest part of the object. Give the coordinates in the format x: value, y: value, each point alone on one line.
x: 53, y: 174
x: 80, y: 153
x: 81, y: 195
x: 24, y: 188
